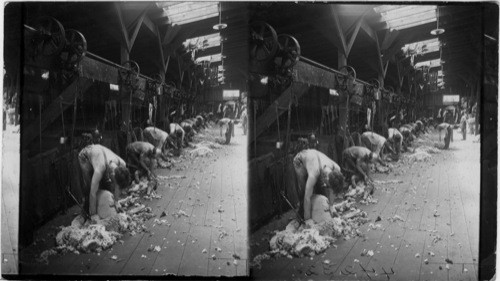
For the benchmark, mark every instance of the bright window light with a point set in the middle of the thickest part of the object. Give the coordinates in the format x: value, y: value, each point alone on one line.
x: 422, y: 47
x: 212, y: 58
x: 186, y: 12
x: 428, y: 63
x: 203, y: 42
x: 405, y: 16
x: 114, y: 87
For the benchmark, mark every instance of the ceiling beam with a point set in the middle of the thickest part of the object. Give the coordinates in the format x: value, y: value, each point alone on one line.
x: 338, y: 28
x: 123, y: 29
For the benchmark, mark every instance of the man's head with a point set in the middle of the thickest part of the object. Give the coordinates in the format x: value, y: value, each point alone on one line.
x: 122, y: 177
x: 372, y: 157
x: 336, y: 181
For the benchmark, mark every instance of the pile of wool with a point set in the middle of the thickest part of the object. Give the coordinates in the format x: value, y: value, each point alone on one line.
x: 320, y: 232
x: 91, y: 238
x: 163, y: 164
x: 427, y: 149
x: 417, y: 156
x: 201, y: 151
x: 139, y: 187
x: 299, y: 241
x: 356, y: 191
x: 208, y: 144
x: 345, y: 226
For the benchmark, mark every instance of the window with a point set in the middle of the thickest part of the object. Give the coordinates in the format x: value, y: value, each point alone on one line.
x: 203, y: 42
x: 422, y: 47
x: 428, y: 63
x: 405, y: 16
x: 180, y: 13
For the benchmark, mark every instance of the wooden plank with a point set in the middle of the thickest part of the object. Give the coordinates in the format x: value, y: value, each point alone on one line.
x: 428, y: 221
x: 225, y: 244
x: 9, y: 263
x: 457, y: 272
x: 10, y: 217
x: 7, y: 247
x: 311, y: 75
x: 391, y: 240
x: 269, y: 116
x: 138, y: 264
x: 194, y: 262
x: 221, y: 267
x: 242, y: 268
x: 407, y: 265
x: 431, y: 271
x: 170, y: 257
x: 52, y: 112
x: 123, y: 253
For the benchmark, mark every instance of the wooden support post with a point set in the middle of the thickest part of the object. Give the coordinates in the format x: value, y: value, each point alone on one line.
x: 344, y: 106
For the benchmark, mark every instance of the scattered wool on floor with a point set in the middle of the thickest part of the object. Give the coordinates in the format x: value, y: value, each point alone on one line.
x: 417, y: 156
x: 201, y: 151
x: 427, y: 149
x: 208, y: 144
x: 312, y: 238
x: 81, y: 236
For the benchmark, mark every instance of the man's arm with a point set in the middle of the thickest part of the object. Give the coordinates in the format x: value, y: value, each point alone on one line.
x: 358, y: 167
x: 143, y: 165
x: 311, y: 182
x: 94, y: 186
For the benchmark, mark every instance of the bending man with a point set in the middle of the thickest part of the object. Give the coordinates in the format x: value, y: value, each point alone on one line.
x: 140, y: 156
x: 316, y: 172
x: 101, y: 169
x: 356, y: 161
x: 158, y: 138
x: 376, y: 143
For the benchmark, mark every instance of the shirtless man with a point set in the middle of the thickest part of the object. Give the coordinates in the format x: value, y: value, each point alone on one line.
x: 448, y: 133
x: 140, y: 156
x: 189, y: 131
x: 316, y: 172
x: 200, y: 122
x: 408, y: 137
x: 101, y: 169
x: 396, y: 140
x: 419, y: 127
x: 356, y: 161
x: 178, y: 134
x: 158, y: 138
x: 376, y: 143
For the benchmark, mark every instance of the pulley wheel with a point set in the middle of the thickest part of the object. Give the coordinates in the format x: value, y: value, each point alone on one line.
x: 76, y: 47
x: 158, y: 79
x: 49, y: 38
x: 289, y: 51
x: 375, y: 83
x: 263, y: 42
x: 133, y: 67
x: 348, y: 71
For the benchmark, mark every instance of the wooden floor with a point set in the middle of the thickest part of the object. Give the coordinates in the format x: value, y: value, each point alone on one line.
x: 439, y: 201
x: 10, y: 200
x: 213, y: 195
